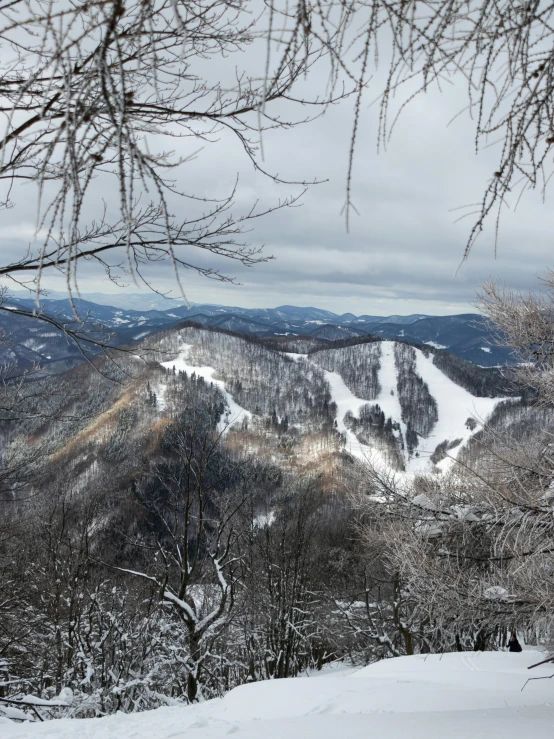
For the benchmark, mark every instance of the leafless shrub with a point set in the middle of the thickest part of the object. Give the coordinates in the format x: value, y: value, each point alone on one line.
x: 525, y: 322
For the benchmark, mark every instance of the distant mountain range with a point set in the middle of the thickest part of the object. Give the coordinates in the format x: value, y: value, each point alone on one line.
x: 467, y: 335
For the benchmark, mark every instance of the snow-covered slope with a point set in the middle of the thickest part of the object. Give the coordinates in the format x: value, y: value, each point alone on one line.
x: 347, y: 369
x: 234, y: 413
x: 463, y: 695
x: 392, y: 403
x: 455, y: 406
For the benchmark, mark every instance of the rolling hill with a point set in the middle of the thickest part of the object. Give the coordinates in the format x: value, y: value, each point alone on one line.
x: 467, y: 336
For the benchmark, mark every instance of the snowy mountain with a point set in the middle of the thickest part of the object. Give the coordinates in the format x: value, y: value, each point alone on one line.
x: 410, y: 409
x: 421, y: 408
x: 466, y: 336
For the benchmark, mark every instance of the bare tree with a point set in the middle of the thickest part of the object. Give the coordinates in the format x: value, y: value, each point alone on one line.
x: 91, y: 93
x: 284, y: 630
x: 525, y: 323
x: 192, y: 501
x: 472, y: 549
x: 93, y: 90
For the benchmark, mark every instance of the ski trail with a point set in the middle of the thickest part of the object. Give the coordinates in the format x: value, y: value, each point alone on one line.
x: 455, y: 406
x: 388, y: 397
x: 236, y: 413
x: 345, y: 401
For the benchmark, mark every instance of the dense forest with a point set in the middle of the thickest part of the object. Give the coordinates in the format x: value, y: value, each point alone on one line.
x: 358, y: 366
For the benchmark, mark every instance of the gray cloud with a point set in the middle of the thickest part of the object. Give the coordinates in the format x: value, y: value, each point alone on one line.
x: 404, y: 249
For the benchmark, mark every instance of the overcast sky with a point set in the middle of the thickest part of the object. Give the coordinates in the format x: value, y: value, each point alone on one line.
x: 403, y: 253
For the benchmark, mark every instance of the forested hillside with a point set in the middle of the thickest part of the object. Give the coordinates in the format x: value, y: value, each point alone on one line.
x: 200, y: 501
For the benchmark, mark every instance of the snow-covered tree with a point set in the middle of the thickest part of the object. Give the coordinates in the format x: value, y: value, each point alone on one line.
x: 192, y: 498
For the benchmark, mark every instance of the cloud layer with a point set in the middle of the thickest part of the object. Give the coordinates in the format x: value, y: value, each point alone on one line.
x: 404, y: 250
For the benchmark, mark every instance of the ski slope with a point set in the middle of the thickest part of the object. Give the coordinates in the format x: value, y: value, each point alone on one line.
x: 235, y: 413
x: 454, y: 405
x: 462, y: 695
x: 388, y: 397
x: 345, y: 401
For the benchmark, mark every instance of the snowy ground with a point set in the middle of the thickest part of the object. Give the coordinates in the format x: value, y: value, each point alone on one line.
x: 453, y: 696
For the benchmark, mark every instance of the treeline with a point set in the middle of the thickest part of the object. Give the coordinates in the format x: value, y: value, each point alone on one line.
x: 358, y: 366
x: 521, y: 423
x: 484, y: 382
x: 294, y: 344
x: 419, y: 408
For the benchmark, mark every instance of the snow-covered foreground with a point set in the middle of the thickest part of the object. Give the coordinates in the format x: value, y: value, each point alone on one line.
x: 453, y: 696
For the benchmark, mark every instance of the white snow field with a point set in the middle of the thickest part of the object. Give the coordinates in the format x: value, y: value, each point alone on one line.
x: 463, y: 695
x: 455, y: 405
x: 347, y: 401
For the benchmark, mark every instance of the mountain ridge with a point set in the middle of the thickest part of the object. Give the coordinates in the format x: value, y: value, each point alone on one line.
x: 468, y: 336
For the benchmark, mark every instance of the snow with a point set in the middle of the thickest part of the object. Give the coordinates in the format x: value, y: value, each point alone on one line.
x: 455, y: 405
x: 462, y: 695
x: 388, y: 397
x: 346, y: 401
x: 264, y: 520
x: 9, y: 712
x: 235, y: 413
x: 495, y: 592
x: 423, y: 501
x: 435, y: 345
